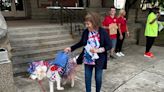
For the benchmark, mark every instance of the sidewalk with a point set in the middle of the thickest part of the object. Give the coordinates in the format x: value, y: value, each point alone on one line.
x: 132, y: 73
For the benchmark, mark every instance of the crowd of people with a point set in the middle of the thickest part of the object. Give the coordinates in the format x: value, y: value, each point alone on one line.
x: 99, y: 37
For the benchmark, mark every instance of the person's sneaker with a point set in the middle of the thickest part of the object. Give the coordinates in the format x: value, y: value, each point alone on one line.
x: 118, y: 54
x: 148, y: 54
x: 151, y: 54
x: 112, y: 57
x: 122, y: 54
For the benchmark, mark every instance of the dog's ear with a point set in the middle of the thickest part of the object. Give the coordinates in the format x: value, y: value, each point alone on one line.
x: 76, y: 56
x: 74, y: 60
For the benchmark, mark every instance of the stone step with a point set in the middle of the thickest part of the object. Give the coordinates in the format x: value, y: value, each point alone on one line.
x: 36, y: 28
x: 35, y: 57
x: 54, y: 43
x: 46, y: 55
x: 40, y: 56
x: 27, y: 31
x: 41, y: 46
x: 18, y: 69
x: 23, y: 64
x: 35, y: 43
x: 39, y: 39
x: 39, y: 33
x: 27, y: 52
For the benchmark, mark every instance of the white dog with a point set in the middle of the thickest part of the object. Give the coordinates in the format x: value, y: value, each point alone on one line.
x: 38, y: 70
x: 54, y: 74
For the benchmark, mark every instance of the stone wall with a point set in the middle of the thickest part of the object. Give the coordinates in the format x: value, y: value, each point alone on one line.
x: 38, y: 12
x: 136, y: 28
x: 28, y: 8
x: 107, y: 3
x: 95, y: 3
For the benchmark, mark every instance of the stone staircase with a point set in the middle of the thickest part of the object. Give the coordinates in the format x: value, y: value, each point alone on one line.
x: 37, y: 43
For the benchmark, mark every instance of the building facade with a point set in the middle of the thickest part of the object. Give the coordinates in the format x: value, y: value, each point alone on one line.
x: 37, y: 8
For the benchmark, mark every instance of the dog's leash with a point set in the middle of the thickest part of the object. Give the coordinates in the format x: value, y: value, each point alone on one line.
x: 40, y: 83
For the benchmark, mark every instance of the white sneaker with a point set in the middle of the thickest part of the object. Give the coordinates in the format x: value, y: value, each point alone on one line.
x: 118, y: 54
x: 122, y: 54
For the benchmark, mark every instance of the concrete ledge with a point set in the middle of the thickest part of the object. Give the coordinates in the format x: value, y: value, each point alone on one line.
x: 6, y: 78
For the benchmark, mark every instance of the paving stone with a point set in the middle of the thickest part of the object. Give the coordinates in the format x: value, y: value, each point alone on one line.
x: 132, y: 73
x: 144, y: 82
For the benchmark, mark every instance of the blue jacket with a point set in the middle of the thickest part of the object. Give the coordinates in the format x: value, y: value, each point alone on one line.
x: 104, y: 42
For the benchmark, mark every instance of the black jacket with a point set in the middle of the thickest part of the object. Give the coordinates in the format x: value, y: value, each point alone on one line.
x: 104, y: 42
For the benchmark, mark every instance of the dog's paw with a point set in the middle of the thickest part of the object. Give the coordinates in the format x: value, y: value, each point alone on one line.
x: 72, y: 81
x: 60, y: 88
x: 72, y: 85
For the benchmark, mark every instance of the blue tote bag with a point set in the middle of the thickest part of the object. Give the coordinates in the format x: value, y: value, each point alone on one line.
x: 61, y: 59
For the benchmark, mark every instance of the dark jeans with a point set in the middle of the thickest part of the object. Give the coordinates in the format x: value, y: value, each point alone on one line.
x: 149, y: 43
x: 119, y: 42
x: 88, y: 77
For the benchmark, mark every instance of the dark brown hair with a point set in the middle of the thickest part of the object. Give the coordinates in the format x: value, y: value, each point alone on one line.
x: 94, y: 18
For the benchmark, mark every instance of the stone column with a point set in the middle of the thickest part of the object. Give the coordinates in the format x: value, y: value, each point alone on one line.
x: 6, y: 71
x: 6, y: 78
x: 95, y: 4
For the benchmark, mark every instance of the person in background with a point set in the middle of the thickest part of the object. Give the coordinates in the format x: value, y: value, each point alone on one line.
x: 122, y: 23
x: 151, y: 31
x: 94, y: 40
x: 111, y: 20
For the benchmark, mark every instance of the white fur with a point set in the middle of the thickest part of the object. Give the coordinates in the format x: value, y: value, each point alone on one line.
x: 39, y: 73
x: 58, y: 79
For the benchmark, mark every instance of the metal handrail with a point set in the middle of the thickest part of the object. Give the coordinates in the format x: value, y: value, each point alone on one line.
x: 69, y: 11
